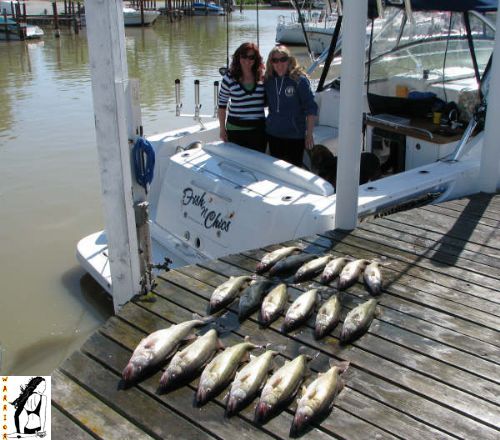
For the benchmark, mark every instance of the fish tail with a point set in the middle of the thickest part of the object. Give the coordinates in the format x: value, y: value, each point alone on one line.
x: 319, y: 331
x: 202, y: 396
x: 232, y: 407
x: 262, y: 412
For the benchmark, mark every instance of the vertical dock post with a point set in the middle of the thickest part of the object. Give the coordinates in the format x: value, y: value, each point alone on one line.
x: 350, y: 121
x: 490, y: 154
x: 108, y: 66
x: 6, y: 25
x: 57, y: 33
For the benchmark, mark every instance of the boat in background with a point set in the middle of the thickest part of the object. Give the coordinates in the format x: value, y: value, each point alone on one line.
x: 289, y: 30
x: 207, y: 8
x: 133, y: 17
x: 11, y: 30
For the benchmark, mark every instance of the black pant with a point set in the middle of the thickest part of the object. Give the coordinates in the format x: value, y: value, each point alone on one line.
x: 254, y: 139
x: 291, y: 150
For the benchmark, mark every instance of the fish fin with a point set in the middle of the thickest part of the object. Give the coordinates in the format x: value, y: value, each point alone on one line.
x: 190, y: 338
x: 246, y: 357
x: 378, y: 313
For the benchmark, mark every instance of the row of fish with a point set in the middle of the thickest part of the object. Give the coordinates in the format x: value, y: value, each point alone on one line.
x: 272, y: 300
x: 218, y: 370
x: 283, y: 261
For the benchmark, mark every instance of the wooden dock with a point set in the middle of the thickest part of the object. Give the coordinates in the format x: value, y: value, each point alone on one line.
x: 429, y: 367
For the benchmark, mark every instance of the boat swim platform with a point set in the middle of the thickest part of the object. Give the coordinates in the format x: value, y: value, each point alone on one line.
x: 428, y: 368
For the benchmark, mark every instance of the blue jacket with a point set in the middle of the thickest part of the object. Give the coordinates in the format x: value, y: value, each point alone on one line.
x: 289, y: 103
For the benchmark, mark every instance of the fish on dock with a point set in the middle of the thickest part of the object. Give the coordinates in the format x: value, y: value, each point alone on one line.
x: 221, y: 369
x: 227, y: 291
x: 273, y: 304
x: 372, y: 278
x: 251, y: 298
x: 155, y: 349
x: 333, y: 269
x: 248, y: 382
x: 281, y: 387
x: 300, y: 310
x: 188, y: 363
x: 271, y: 258
x: 357, y: 321
x: 290, y: 264
x: 351, y: 272
x: 328, y: 316
x: 311, y: 269
x: 318, y: 398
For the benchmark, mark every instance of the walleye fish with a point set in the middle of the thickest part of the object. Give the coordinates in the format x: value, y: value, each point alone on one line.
x: 251, y: 298
x: 373, y: 278
x: 271, y: 258
x: 226, y: 292
x: 333, y: 269
x: 219, y: 372
x: 351, y: 272
x: 280, y: 388
x: 290, y: 264
x: 300, y: 310
x: 328, y: 316
x: 311, y: 269
x: 156, y: 348
x: 188, y: 362
x: 318, y: 398
x: 273, y: 304
x: 358, y: 321
x: 248, y: 382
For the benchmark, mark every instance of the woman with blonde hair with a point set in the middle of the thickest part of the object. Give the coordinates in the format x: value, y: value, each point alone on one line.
x: 292, y: 109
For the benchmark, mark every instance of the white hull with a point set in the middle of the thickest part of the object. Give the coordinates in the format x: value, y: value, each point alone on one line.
x: 132, y: 17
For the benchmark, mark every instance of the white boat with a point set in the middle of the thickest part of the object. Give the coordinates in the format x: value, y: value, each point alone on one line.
x: 289, y: 30
x: 133, y: 17
x: 209, y: 199
x: 11, y: 30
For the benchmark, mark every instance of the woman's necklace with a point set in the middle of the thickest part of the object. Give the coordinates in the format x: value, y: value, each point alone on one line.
x: 278, y: 92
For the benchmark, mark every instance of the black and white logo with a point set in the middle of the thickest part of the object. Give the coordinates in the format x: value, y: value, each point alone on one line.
x: 25, y: 407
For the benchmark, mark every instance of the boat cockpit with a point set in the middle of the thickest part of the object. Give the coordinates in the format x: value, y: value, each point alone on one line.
x: 422, y: 86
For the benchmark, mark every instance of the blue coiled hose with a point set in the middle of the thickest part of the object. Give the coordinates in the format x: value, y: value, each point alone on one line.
x: 143, y: 156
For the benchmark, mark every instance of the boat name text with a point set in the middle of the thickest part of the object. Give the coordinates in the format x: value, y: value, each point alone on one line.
x: 211, y: 219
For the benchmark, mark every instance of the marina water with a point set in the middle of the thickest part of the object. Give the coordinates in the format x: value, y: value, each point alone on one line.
x: 49, y: 181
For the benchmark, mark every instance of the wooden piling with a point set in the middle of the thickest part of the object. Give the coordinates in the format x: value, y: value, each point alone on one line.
x: 57, y: 32
x: 6, y: 25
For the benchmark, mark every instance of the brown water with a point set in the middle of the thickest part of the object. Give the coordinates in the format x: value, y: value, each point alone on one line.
x: 49, y: 182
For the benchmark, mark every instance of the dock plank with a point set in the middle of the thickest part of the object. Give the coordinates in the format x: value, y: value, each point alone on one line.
x: 63, y: 427
x: 90, y: 412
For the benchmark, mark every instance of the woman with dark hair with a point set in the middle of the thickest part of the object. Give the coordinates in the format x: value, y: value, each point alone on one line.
x: 292, y: 109
x: 241, y: 99
x: 31, y: 406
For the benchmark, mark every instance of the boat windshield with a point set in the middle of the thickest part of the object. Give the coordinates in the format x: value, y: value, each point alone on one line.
x: 429, y: 41
x: 432, y: 42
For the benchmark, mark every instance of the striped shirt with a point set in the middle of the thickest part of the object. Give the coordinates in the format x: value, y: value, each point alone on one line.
x: 243, y: 105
